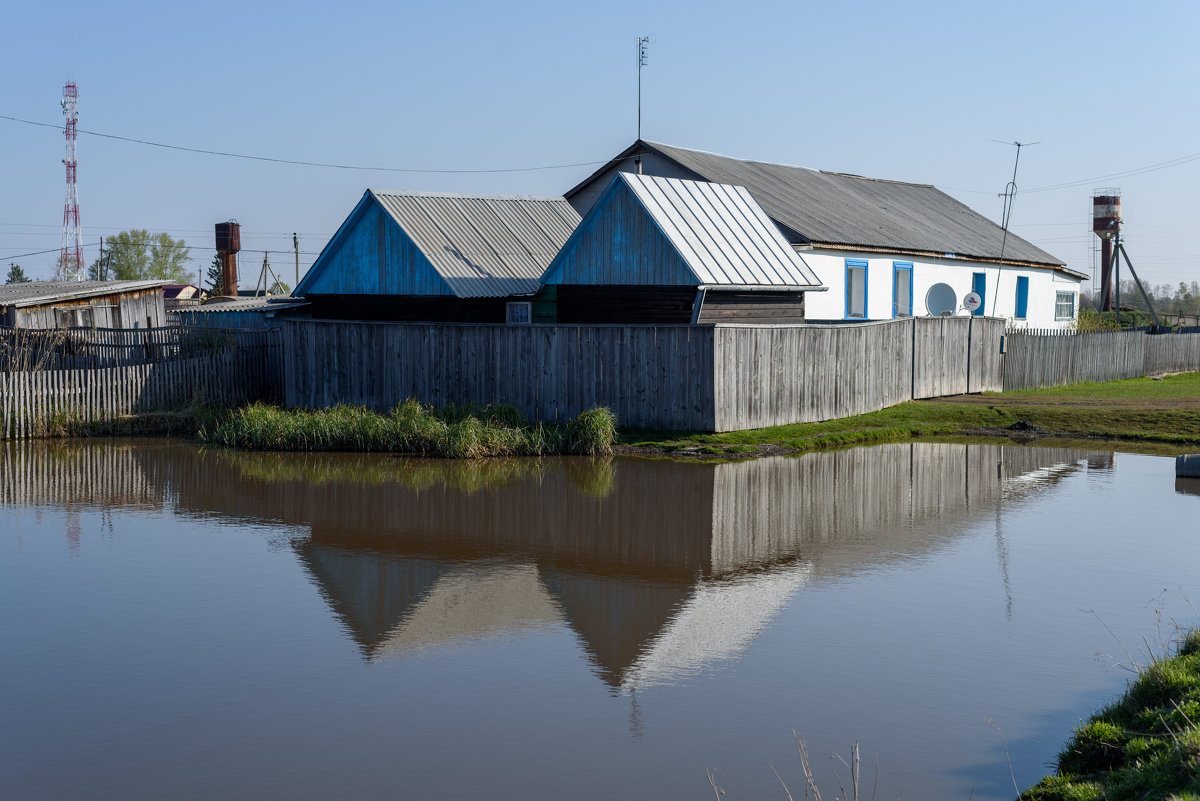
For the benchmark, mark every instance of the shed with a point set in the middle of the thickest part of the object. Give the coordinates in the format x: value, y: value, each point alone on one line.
x: 666, y: 250
x: 225, y: 312
x: 437, y: 257
x: 88, y: 304
x: 878, y: 245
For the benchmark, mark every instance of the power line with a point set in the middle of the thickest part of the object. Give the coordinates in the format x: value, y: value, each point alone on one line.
x: 304, y: 163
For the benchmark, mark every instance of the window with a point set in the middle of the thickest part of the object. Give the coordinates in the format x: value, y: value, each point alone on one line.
x: 1064, y: 305
x: 518, y: 313
x: 856, y: 288
x: 902, y: 289
x: 1022, y: 297
x: 979, y: 287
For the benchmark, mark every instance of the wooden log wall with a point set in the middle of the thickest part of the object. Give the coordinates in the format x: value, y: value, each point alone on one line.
x: 235, y: 368
x: 1036, y: 359
x: 649, y: 376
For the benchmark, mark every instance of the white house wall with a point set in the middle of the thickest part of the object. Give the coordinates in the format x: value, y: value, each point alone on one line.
x: 1044, y: 284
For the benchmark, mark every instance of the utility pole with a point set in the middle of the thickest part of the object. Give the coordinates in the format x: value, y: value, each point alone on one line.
x: 296, y: 247
x: 101, y: 267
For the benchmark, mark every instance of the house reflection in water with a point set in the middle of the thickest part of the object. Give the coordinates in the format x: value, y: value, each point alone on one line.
x: 660, y: 568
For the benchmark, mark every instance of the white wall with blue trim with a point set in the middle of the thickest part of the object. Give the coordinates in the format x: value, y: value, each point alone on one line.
x: 1051, y: 296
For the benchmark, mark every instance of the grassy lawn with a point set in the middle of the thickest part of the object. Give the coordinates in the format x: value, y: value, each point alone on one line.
x: 1165, y: 411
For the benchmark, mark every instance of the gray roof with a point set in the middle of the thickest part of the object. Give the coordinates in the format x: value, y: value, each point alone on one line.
x: 830, y: 208
x: 35, y: 293
x: 484, y: 245
x: 724, y: 237
x: 244, y: 304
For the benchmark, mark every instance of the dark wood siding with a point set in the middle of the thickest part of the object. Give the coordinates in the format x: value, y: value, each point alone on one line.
x: 752, y: 307
x: 636, y: 305
x: 409, y: 308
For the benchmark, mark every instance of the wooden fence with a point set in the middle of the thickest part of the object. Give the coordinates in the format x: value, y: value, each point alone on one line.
x: 223, y: 368
x: 712, y: 378
x: 1036, y: 359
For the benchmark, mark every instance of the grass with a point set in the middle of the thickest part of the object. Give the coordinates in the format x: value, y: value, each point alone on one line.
x: 1146, y: 745
x: 1165, y: 412
x: 412, y: 428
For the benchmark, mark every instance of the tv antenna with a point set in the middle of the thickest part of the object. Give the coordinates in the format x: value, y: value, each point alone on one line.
x: 643, y: 45
x: 1010, y: 195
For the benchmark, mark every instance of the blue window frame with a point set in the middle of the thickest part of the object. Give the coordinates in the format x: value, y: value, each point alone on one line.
x: 979, y: 287
x: 902, y: 289
x: 1022, y: 297
x: 856, y: 289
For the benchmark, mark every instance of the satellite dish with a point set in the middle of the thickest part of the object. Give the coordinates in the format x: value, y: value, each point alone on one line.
x: 941, y: 300
x: 972, y: 301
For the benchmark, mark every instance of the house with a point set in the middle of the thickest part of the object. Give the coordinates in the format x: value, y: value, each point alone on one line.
x: 438, y: 257
x: 671, y: 251
x: 181, y: 296
x: 87, y: 304
x: 879, y: 246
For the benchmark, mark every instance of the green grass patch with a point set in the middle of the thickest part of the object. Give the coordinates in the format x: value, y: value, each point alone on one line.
x: 412, y: 428
x: 1182, y: 386
x: 1142, y: 409
x: 1146, y: 745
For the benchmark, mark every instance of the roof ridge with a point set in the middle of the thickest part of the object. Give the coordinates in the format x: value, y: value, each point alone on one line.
x: 879, y: 180
x: 465, y: 195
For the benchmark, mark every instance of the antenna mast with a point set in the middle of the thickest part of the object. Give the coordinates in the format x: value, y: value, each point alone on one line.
x: 70, y: 259
x: 643, y: 43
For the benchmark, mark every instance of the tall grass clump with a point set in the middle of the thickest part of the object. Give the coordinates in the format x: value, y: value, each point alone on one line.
x: 459, y: 432
x: 1145, y: 745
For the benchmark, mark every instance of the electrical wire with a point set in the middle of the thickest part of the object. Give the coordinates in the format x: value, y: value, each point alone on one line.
x: 303, y: 163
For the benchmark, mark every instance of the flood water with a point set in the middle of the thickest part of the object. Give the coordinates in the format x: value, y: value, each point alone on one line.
x: 182, y: 623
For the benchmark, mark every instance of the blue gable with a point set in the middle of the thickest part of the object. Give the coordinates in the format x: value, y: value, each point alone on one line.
x: 372, y: 255
x: 619, y: 242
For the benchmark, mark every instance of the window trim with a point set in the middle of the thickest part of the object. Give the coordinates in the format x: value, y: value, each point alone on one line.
x: 857, y: 264
x: 510, y: 306
x: 1058, y: 294
x: 906, y: 266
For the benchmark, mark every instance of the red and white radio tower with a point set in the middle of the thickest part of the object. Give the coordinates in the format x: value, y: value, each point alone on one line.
x: 70, y: 260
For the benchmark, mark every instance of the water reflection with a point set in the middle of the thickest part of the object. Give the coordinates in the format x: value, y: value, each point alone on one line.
x: 660, y: 569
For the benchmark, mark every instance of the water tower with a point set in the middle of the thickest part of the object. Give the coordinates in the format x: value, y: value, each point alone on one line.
x: 229, y: 242
x: 1106, y: 224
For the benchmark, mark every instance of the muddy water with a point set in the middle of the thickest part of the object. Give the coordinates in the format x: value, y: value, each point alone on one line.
x: 192, y: 624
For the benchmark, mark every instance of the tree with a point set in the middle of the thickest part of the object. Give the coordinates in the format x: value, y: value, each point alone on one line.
x: 214, y: 277
x: 138, y: 254
x: 16, y: 275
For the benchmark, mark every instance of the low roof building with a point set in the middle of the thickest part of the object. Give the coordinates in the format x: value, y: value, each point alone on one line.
x: 665, y: 250
x: 434, y: 256
x: 91, y: 304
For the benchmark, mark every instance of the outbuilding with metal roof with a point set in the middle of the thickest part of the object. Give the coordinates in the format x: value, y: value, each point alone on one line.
x: 666, y: 250
x: 436, y: 256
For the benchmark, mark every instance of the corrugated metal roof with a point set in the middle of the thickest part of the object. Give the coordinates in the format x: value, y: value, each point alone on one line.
x: 484, y: 245
x: 724, y: 237
x: 829, y: 208
x: 242, y: 305
x: 33, y: 293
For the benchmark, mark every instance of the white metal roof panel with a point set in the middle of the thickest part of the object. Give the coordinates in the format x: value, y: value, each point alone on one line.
x: 484, y: 245
x: 722, y: 234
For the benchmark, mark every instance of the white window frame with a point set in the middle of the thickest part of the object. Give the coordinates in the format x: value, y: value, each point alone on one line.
x: 1061, y: 297
x: 519, y: 309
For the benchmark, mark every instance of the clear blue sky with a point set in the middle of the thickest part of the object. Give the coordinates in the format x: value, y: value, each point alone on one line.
x: 913, y: 92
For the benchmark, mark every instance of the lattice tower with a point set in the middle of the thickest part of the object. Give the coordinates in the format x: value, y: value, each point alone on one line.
x: 70, y: 260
